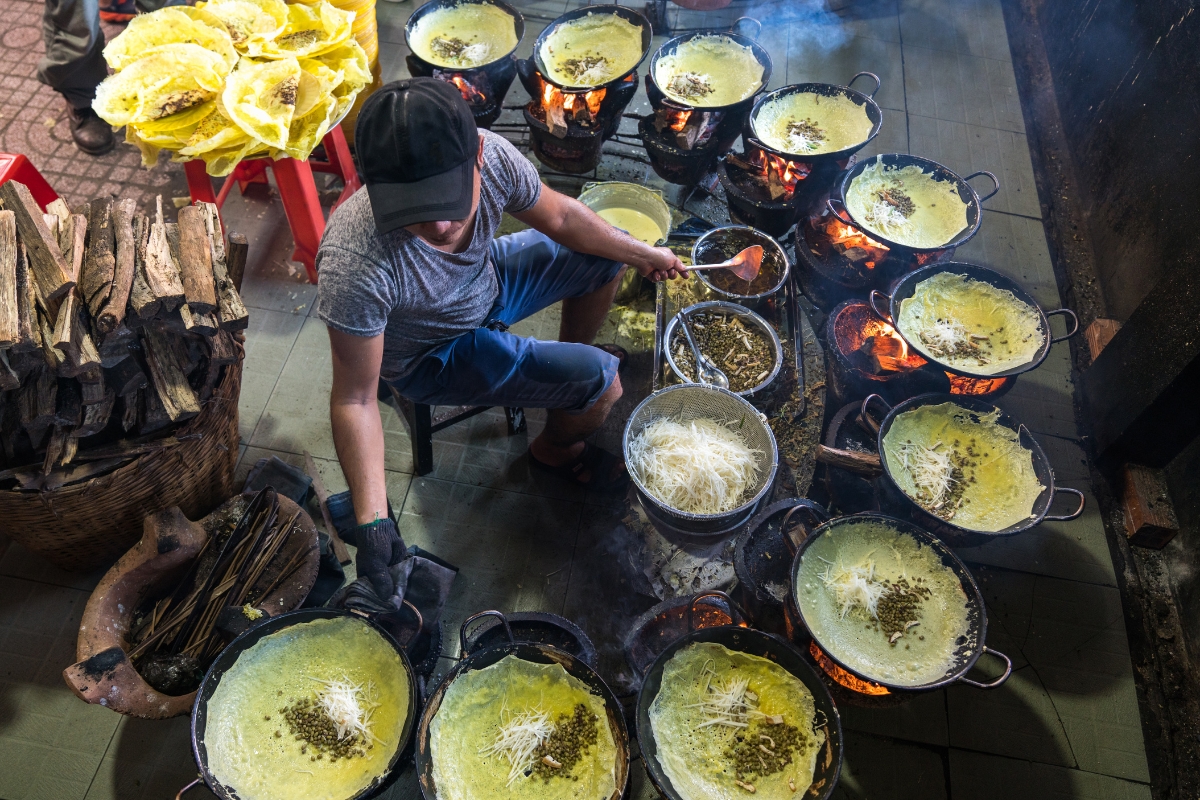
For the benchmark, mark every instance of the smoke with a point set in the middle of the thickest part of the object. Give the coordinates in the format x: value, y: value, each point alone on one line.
x: 813, y: 27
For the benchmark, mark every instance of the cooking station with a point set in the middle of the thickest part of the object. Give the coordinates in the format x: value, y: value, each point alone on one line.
x: 883, y: 383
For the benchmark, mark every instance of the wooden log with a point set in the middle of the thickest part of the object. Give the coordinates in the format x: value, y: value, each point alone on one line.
x: 59, y: 208
x: 10, y: 316
x: 100, y: 263
x: 45, y: 257
x: 859, y: 463
x: 162, y: 272
x: 114, y: 347
x: 64, y: 326
x: 126, y: 377
x: 153, y: 415
x: 131, y: 404
x: 1099, y: 334
x: 168, y: 375
x: 28, y: 339
x: 202, y: 324
x: 9, y: 379
x: 1150, y: 519
x: 58, y: 441
x: 143, y: 302
x: 94, y: 391
x: 79, y: 353
x: 50, y: 353
x: 195, y: 261
x: 45, y: 397
x: 232, y: 312
x: 223, y: 351
x: 69, y: 404
x: 97, y: 415
x: 235, y: 258
x: 112, y: 312
x: 51, y: 221
x: 78, y: 246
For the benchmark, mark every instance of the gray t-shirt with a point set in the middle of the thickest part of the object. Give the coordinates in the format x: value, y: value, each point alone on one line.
x: 396, y: 284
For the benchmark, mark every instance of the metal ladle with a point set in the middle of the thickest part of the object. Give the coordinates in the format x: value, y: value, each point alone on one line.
x: 745, y: 264
x: 706, y: 371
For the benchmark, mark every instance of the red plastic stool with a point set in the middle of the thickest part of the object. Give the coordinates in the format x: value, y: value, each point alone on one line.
x: 296, y: 189
x: 19, y: 169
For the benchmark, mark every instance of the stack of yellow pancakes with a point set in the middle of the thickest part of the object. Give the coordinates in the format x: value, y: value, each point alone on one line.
x: 232, y: 79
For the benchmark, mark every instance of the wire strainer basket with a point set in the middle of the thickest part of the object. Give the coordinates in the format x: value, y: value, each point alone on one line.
x: 690, y: 401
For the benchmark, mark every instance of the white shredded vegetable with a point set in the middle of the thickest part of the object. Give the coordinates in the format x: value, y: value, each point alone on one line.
x: 932, y: 473
x: 348, y: 706
x: 699, y: 466
x: 728, y: 703
x: 887, y: 219
x: 518, y: 738
x: 854, y: 587
x: 945, y: 337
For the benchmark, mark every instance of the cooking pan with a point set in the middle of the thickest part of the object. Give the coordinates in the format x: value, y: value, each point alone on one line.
x: 867, y: 101
x: 969, y: 649
x: 251, y: 637
x: 627, y: 14
x: 837, y: 197
x: 435, y: 5
x: 888, y: 308
x: 529, y: 651
x: 764, y: 645
x: 671, y: 45
x: 948, y: 531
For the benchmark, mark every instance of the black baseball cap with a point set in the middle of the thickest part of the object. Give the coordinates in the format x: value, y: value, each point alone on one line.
x: 417, y: 144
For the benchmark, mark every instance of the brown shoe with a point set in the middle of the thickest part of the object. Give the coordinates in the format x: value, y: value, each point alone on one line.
x: 92, y: 135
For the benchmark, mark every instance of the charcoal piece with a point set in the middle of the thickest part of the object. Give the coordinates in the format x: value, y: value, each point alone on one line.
x: 172, y: 675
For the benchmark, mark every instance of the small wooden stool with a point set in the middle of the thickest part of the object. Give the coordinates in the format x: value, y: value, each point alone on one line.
x: 297, y: 190
x: 17, y: 167
x: 423, y: 421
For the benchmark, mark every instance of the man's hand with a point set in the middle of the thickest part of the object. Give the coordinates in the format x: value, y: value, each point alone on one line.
x: 661, y: 265
x: 379, y: 547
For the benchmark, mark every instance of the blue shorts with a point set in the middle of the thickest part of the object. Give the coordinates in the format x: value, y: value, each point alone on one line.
x: 489, y: 367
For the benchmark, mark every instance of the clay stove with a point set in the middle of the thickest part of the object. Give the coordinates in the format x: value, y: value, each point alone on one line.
x: 763, y: 188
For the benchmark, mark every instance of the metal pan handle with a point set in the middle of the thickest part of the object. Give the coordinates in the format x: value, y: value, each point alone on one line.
x: 733, y: 607
x: 420, y: 617
x: 815, y: 510
x: 843, y: 220
x: 864, y: 413
x: 999, y: 681
x: 739, y: 20
x: 179, y: 795
x: 875, y: 298
x: 995, y: 180
x: 1074, y: 514
x: 871, y: 75
x: 462, y: 631
x: 1074, y: 330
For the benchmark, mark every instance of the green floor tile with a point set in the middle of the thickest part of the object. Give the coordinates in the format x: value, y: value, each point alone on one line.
x: 962, y: 88
x: 978, y: 776
x: 876, y: 768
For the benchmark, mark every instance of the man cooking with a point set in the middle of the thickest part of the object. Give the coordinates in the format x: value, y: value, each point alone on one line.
x: 415, y: 290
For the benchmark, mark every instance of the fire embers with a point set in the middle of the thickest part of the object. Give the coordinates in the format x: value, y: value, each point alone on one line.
x: 870, y: 344
x: 765, y: 177
x: 686, y: 128
x: 850, y: 243
x: 559, y: 110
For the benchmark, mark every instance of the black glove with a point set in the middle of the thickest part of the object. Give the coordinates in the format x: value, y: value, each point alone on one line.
x: 379, y: 547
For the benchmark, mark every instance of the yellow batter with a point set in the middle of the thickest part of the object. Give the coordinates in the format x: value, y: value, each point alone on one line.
x: 592, y: 50
x: 469, y: 718
x: 971, y: 324
x: 696, y: 757
x: 906, y: 205
x: 921, y: 655
x: 636, y: 223
x: 244, y: 712
x: 806, y: 123
x: 464, y: 36
x: 709, y: 72
x: 989, y: 484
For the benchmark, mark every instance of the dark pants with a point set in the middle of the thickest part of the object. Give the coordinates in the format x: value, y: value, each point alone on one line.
x: 74, y: 62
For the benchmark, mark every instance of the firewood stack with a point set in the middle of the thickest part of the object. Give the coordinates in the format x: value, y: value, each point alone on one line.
x: 114, y: 328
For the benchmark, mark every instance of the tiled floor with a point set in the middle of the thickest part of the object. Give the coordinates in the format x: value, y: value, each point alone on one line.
x: 1064, y: 726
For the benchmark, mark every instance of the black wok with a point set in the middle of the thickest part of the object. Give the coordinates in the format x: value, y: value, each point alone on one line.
x: 434, y: 5
x: 867, y: 101
x: 625, y: 13
x: 671, y: 45
x: 906, y: 286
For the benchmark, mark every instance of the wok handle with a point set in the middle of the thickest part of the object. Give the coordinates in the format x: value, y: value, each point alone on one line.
x: 1074, y: 330
x: 871, y: 75
x: 1074, y: 514
x: 876, y: 299
x: 864, y: 413
x: 734, y: 608
x: 999, y: 681
x: 179, y: 795
x: 462, y: 631
x: 420, y: 617
x: 733, y: 27
x: 815, y: 510
x: 841, y: 219
x: 995, y: 181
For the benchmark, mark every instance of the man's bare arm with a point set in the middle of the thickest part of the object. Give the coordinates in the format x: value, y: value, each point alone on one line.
x: 354, y: 416
x: 574, y: 225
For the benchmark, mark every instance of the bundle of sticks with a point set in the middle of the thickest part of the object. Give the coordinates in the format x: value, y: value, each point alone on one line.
x: 234, y: 570
x: 115, y: 327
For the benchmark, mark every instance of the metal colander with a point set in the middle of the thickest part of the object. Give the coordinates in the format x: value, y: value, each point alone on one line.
x: 691, y: 401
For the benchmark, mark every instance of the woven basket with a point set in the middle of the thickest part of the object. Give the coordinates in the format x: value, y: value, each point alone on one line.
x: 87, y: 525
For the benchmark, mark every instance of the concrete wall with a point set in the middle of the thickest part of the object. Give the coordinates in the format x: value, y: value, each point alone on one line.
x: 1126, y: 76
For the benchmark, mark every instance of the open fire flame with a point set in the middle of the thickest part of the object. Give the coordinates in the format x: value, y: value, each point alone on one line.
x: 854, y: 244
x: 843, y: 677
x: 871, y: 343
x: 678, y: 120
x: 561, y: 107
x: 469, y: 92
x: 974, y: 387
x: 778, y: 170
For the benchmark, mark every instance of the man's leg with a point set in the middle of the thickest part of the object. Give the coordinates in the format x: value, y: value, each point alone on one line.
x: 74, y: 66
x: 562, y: 440
x: 583, y: 316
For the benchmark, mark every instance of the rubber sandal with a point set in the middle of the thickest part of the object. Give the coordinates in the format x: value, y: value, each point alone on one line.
x: 615, y: 350
x: 597, y: 462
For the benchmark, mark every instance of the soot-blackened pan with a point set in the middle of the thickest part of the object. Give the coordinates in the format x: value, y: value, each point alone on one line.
x: 867, y: 101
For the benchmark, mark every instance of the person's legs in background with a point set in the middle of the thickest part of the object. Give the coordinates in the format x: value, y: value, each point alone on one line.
x: 74, y: 66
